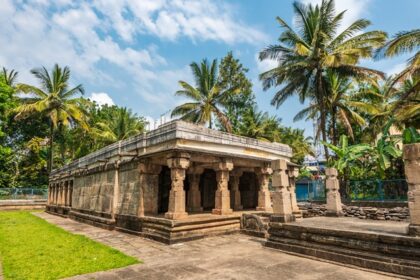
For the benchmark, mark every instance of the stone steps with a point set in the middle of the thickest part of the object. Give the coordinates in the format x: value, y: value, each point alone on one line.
x: 384, y: 252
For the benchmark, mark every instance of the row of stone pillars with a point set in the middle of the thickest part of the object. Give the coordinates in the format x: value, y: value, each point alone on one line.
x: 60, y: 194
x: 285, y: 205
x: 180, y: 167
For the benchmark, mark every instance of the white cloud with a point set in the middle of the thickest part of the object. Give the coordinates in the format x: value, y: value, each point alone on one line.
x: 101, y: 98
x: 99, y: 39
x: 266, y: 64
x: 199, y: 20
x: 355, y: 9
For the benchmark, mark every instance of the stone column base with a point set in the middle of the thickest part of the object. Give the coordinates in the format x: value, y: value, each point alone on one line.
x: 222, y: 211
x: 414, y: 230
x: 282, y: 218
x: 334, y: 214
x: 176, y: 215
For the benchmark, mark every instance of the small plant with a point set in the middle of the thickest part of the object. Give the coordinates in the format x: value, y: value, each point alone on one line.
x: 411, y: 136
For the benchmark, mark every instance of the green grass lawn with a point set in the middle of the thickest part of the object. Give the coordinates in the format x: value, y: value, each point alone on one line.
x: 31, y: 248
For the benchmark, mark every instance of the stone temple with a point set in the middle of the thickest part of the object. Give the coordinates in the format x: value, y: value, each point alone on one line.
x: 178, y: 182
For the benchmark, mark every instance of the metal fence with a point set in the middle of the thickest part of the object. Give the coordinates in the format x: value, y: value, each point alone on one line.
x: 23, y: 193
x: 310, y: 190
x: 378, y: 190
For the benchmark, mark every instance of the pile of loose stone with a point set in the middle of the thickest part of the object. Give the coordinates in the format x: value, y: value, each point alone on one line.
x: 373, y: 213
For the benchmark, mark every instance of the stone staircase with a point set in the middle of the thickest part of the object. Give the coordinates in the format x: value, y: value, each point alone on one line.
x: 391, y: 253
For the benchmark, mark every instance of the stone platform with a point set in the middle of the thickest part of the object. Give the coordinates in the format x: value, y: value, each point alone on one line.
x: 233, y: 256
x: 22, y: 204
x: 168, y: 231
x: 379, y: 245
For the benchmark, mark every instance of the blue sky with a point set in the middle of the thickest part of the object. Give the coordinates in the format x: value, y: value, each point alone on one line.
x: 132, y: 53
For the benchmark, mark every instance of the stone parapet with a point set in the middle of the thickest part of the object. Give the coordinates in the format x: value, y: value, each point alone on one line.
x: 178, y: 135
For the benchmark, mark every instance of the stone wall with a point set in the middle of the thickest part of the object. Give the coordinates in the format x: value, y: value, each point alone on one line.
x: 94, y: 191
x: 128, y: 179
x: 374, y: 213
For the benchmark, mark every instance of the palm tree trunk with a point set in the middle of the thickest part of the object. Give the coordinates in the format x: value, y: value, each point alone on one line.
x: 334, y: 127
x: 50, y: 161
x: 324, y: 134
x: 210, y: 123
x: 323, y: 118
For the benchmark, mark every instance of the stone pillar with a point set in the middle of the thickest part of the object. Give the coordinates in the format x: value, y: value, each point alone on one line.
x: 178, y: 163
x: 70, y: 193
x: 148, y: 188
x: 234, y: 179
x: 282, y: 206
x: 60, y: 194
x: 194, y: 194
x: 264, y: 197
x: 65, y: 193
x: 293, y: 173
x: 49, y: 194
x: 116, y: 194
x: 222, y: 197
x: 56, y: 194
x: 412, y: 174
x: 332, y: 185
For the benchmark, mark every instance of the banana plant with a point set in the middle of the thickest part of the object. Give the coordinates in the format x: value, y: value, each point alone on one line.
x: 386, y: 149
x: 347, y: 155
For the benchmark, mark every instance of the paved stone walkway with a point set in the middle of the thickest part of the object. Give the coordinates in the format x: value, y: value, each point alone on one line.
x: 232, y: 257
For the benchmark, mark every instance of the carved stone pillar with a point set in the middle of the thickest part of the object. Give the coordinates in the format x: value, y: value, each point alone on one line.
x: 178, y: 163
x: 293, y: 173
x: 65, y: 194
x: 194, y: 194
x: 222, y: 197
x: 234, y: 179
x: 56, y: 191
x: 412, y: 173
x: 70, y: 193
x: 148, y: 188
x: 61, y: 200
x: 333, y: 195
x: 116, y: 194
x: 282, y: 206
x: 49, y: 193
x: 264, y: 197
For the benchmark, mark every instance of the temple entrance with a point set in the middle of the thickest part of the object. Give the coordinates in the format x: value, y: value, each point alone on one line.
x: 248, y: 187
x: 208, y: 186
x: 164, y: 188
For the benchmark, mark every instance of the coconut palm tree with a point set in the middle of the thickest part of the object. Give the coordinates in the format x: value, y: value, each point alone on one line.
x: 9, y: 77
x: 208, y: 99
x: 406, y: 42
x: 259, y: 125
x: 53, y: 99
x: 123, y: 123
x: 304, y: 55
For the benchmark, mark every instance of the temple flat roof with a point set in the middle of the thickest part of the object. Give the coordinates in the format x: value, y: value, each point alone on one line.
x: 180, y: 135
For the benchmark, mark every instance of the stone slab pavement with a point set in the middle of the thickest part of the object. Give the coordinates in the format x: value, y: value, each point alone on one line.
x: 235, y: 256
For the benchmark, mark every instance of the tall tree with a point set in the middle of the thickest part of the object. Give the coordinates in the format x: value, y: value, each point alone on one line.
x: 259, y: 125
x: 53, y: 99
x: 208, y: 98
x: 306, y: 54
x: 121, y: 124
x: 233, y: 75
x: 408, y: 103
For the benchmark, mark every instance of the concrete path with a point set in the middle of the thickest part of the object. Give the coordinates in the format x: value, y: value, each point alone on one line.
x: 234, y: 256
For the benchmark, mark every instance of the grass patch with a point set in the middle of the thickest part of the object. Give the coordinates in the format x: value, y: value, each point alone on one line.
x: 31, y: 248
